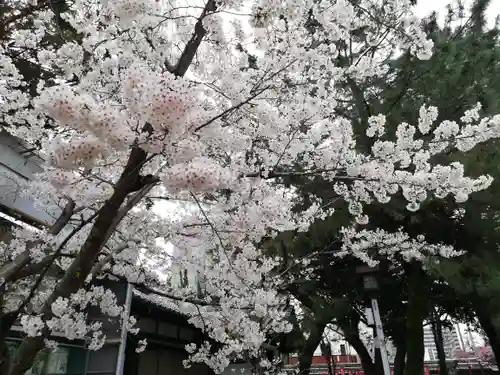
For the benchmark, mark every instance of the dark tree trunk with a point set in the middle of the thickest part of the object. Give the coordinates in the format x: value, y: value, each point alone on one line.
x: 326, y: 351
x: 437, y: 332
x: 310, y: 345
x: 484, y: 315
x: 416, y: 313
x: 369, y: 367
x: 349, y: 325
x: 84, y: 261
x: 399, y: 360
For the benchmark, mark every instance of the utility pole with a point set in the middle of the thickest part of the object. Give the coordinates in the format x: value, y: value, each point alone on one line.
x: 120, y: 362
x: 379, y: 338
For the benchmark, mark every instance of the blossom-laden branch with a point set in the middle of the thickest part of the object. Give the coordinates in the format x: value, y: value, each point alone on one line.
x: 82, y: 265
x: 11, y: 270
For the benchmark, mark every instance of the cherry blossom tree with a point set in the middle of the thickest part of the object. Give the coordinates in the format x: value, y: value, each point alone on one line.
x: 177, y: 122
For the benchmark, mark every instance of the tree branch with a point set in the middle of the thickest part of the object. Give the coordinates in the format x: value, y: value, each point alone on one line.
x: 231, y: 109
x: 84, y: 261
x: 192, y: 45
x: 99, y: 265
x: 10, y: 271
x: 25, y: 12
x: 63, y: 219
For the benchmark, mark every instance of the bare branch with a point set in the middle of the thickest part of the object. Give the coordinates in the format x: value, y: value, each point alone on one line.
x: 192, y: 45
x: 99, y: 265
x: 233, y: 108
x: 49, y: 263
x: 10, y: 271
x: 64, y: 218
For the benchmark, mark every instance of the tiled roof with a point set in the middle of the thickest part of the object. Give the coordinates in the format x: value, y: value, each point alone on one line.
x: 163, y: 302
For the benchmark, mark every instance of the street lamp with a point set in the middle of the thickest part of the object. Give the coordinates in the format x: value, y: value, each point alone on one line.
x: 370, y: 285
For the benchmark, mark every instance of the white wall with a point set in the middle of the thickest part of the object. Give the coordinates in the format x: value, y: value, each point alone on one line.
x: 15, y: 170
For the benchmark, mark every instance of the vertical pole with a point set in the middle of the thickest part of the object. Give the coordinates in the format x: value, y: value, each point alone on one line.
x: 461, y: 337
x: 380, y: 337
x: 471, y: 340
x: 120, y: 362
x: 374, y: 344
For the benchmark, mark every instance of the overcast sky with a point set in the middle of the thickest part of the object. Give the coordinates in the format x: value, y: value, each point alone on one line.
x: 425, y: 7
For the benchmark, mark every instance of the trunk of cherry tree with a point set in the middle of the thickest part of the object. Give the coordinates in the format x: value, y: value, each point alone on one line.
x: 349, y: 325
x: 486, y: 318
x: 437, y: 332
x: 400, y: 359
x: 4, y: 352
x: 416, y: 313
x: 6, y: 322
x: 310, y: 345
x: 369, y: 366
x: 78, y: 271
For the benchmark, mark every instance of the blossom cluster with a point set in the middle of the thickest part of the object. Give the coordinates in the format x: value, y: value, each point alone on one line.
x: 70, y: 318
x: 393, y: 246
x: 404, y: 164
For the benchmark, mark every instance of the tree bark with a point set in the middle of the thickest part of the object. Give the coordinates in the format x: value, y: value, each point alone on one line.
x: 416, y: 313
x: 437, y: 332
x: 399, y: 360
x: 485, y: 317
x: 369, y: 367
x: 310, y: 345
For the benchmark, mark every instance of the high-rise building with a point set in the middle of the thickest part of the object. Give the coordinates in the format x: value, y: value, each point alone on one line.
x: 451, y: 343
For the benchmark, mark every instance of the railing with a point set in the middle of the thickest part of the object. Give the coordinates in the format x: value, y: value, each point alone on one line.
x: 430, y: 367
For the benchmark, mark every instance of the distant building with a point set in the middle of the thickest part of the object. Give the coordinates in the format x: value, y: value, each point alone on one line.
x: 451, y: 343
x: 18, y: 165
